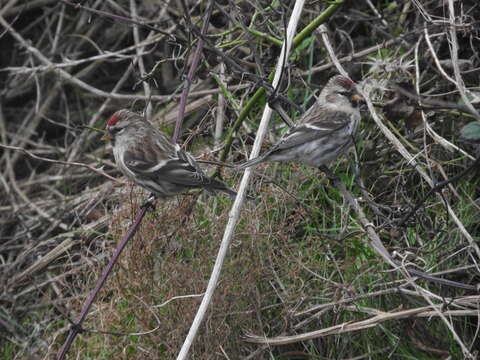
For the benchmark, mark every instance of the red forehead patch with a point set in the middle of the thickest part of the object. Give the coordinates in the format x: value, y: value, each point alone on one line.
x: 113, y: 120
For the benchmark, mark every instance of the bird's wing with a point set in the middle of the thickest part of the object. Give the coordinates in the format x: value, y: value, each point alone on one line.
x: 316, y: 128
x: 163, y: 160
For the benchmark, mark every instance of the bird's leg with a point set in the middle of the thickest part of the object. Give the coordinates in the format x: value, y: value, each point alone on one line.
x: 356, y: 172
x: 149, y: 202
x: 355, y: 167
x: 330, y: 175
x: 274, y: 103
x: 274, y: 97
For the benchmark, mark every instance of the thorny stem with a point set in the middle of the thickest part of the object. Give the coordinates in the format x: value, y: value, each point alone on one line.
x: 77, y: 325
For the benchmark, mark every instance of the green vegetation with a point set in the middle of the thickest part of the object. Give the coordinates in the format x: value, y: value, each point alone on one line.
x: 300, y: 260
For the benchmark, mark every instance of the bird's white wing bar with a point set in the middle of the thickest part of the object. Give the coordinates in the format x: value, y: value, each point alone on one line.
x: 318, y: 128
x: 157, y: 167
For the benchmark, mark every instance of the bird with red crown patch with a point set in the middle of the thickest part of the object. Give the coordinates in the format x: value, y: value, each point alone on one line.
x: 146, y: 156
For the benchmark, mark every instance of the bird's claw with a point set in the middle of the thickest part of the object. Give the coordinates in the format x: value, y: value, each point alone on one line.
x: 272, y: 99
x: 149, y: 203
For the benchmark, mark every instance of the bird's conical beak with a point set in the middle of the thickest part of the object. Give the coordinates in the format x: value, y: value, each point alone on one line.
x: 357, y: 98
x: 107, y: 137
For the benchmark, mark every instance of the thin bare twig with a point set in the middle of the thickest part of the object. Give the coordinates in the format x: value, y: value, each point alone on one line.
x: 68, y: 163
x: 118, y: 17
x: 221, y: 108
x: 438, y: 187
x: 191, y: 72
x: 141, y: 65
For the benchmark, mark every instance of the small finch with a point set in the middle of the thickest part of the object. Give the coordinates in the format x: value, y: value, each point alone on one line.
x: 148, y: 158
x: 324, y: 132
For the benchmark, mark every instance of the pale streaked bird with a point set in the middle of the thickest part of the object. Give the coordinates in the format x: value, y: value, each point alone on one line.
x: 324, y: 132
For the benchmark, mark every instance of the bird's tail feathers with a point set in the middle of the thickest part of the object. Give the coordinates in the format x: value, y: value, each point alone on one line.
x: 220, y: 186
x: 249, y: 163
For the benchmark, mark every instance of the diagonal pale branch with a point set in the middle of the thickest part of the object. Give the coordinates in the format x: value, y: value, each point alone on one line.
x: 454, y: 53
x: 411, y: 160
x: 376, y: 241
x: 45, y: 260
x: 421, y: 312
x: 400, y: 147
x: 238, y: 203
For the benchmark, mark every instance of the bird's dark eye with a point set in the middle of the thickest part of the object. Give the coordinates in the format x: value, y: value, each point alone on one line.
x: 116, y: 130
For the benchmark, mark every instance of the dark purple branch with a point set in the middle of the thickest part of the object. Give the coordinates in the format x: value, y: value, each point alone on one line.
x: 77, y: 326
x: 191, y: 72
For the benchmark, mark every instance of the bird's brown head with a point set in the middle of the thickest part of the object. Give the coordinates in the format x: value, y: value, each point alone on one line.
x: 340, y: 91
x: 118, y: 122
